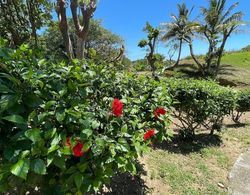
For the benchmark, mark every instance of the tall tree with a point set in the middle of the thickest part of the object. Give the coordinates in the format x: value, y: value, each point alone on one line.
x: 20, y: 19
x: 217, y: 26
x: 153, y: 34
x: 103, y: 43
x: 178, y: 30
x: 81, y: 24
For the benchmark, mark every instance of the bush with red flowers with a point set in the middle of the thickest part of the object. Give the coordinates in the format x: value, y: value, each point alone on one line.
x: 149, y: 134
x: 69, y: 129
x: 117, y: 107
x: 159, y: 111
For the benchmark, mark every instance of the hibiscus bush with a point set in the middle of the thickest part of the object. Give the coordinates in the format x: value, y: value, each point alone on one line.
x: 69, y: 127
x: 200, y: 103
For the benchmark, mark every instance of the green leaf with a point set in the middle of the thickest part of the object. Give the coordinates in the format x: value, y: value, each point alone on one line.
x: 100, y: 142
x: 60, y: 162
x: 49, y: 104
x: 4, y: 89
x: 82, y: 167
x: 131, y: 168
x: 121, y: 161
x: 74, y: 113
x: 60, y: 116
x: 96, y: 185
x: 15, y: 119
x: 50, y: 133
x: 56, y: 140
x: 95, y: 124
x: 7, y: 101
x: 39, y: 167
x: 25, y: 153
x: 124, y: 129
x: 86, y: 133
x: 87, y: 146
x: 33, y: 135
x: 78, y: 178
x: 21, y: 168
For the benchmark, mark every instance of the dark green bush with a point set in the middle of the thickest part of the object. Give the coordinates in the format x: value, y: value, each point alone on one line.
x: 51, y: 113
x: 199, y: 103
x: 242, y: 105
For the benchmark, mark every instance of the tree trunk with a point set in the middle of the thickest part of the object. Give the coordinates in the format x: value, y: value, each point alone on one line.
x: 82, y: 29
x: 31, y: 9
x: 80, y: 48
x: 178, y: 59
x: 63, y: 26
x: 220, y: 55
x: 194, y: 58
x: 209, y: 57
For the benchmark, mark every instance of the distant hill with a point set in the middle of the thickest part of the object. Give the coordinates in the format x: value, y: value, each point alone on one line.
x: 235, y: 66
x: 247, y: 48
x: 240, y: 58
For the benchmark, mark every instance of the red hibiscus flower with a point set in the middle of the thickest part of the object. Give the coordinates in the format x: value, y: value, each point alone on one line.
x: 117, y: 107
x: 159, y: 111
x: 68, y: 143
x: 77, y: 150
x: 149, y: 134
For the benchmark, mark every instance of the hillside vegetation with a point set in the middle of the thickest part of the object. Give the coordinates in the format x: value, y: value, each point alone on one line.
x: 239, y: 59
x: 235, y: 68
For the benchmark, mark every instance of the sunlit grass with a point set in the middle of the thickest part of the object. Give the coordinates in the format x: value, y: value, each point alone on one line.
x: 198, y: 172
x: 238, y: 59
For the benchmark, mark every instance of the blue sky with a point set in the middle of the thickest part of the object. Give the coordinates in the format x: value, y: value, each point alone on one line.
x: 128, y: 17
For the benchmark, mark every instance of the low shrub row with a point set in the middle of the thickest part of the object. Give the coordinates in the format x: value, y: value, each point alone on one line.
x: 68, y: 128
x: 199, y: 103
x: 205, y: 103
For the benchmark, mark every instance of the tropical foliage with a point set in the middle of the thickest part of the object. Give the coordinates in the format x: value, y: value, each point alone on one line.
x: 70, y: 128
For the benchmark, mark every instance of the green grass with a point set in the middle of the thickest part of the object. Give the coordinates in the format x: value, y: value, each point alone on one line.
x: 198, y: 172
x: 185, y: 174
x: 235, y: 67
x: 238, y: 59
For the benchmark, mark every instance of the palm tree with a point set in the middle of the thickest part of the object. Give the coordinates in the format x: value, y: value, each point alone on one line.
x: 179, y: 30
x: 218, y: 25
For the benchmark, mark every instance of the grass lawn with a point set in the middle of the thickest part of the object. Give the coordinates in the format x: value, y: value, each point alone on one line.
x: 238, y: 59
x: 200, y: 167
x: 236, y: 68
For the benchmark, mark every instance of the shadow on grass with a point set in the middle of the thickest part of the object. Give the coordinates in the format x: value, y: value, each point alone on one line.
x: 125, y: 183
x: 236, y: 125
x: 179, y: 146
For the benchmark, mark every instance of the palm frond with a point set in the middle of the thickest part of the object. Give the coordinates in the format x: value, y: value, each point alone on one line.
x: 235, y: 17
x: 228, y: 12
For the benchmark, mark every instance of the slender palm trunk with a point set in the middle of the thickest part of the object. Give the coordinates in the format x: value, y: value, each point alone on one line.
x: 201, y: 68
x: 178, y: 58
x: 220, y: 55
x: 179, y: 55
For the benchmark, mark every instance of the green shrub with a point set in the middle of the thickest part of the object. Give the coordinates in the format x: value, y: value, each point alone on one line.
x: 242, y: 105
x: 60, y: 130
x: 199, y: 102
x: 223, y: 101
